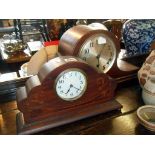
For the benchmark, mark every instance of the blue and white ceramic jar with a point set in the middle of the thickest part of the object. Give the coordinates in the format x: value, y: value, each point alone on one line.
x: 138, y: 36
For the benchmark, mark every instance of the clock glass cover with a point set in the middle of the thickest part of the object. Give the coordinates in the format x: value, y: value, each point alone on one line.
x: 99, y: 51
x: 71, y: 84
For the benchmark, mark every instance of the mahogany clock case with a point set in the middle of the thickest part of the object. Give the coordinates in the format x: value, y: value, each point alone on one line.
x: 41, y: 108
x: 73, y: 39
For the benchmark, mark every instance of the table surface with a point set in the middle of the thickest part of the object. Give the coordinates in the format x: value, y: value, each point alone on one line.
x: 122, y: 122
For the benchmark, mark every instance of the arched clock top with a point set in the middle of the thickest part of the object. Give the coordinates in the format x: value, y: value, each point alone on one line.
x: 73, y: 38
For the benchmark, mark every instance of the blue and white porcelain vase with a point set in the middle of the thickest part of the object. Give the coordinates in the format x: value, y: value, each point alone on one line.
x: 138, y: 36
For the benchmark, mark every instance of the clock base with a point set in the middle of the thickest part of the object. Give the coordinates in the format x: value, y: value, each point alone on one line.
x: 42, y: 125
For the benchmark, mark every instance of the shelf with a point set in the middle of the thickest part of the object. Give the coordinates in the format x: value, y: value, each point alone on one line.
x: 24, y: 28
x: 8, y: 77
x: 30, y: 33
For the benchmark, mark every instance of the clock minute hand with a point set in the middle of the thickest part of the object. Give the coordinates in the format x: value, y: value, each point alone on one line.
x: 75, y: 87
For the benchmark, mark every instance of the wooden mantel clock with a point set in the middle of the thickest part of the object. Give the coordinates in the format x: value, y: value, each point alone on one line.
x: 98, y: 47
x: 66, y: 89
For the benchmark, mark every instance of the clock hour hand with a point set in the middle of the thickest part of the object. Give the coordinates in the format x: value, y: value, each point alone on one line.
x: 69, y: 88
x: 98, y: 62
x: 98, y: 57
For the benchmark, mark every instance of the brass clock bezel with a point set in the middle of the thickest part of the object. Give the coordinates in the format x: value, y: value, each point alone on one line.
x: 84, y: 89
x: 107, y: 39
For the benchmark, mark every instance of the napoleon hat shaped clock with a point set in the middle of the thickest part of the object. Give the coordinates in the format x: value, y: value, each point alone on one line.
x: 98, y: 47
x: 66, y: 89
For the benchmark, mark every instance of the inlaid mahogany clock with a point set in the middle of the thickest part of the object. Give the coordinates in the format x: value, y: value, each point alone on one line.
x: 98, y: 47
x: 66, y: 89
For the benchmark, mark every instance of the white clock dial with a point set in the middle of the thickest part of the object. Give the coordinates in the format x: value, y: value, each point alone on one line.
x: 71, y: 84
x: 99, y: 52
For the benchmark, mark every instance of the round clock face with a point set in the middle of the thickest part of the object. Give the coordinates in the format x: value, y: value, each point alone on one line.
x: 99, y: 51
x: 71, y: 84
